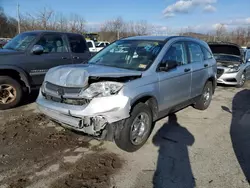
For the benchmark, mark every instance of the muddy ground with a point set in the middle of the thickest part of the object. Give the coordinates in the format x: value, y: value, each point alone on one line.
x: 204, y: 149
x: 35, y: 152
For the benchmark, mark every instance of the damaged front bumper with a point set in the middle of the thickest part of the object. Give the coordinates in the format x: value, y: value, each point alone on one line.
x: 90, y: 118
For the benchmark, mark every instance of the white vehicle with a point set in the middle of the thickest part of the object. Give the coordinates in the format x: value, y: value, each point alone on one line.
x: 96, y: 47
x: 102, y: 44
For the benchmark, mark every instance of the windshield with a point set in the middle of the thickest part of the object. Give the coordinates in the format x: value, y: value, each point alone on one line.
x: 20, y: 42
x: 228, y: 58
x: 128, y: 54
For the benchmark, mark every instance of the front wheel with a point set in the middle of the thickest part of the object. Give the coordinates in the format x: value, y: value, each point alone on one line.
x: 10, y: 92
x: 242, y: 80
x: 136, y: 129
x: 205, y: 99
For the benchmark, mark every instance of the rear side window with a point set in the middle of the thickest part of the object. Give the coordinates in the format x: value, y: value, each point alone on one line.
x: 196, y: 54
x: 77, y: 44
x: 207, y: 54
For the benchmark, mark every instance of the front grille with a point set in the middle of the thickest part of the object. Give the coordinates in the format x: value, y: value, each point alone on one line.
x: 66, y: 95
x: 67, y: 101
x: 67, y: 90
x: 219, y: 72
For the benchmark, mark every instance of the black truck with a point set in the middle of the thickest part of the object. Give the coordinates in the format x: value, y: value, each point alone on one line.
x: 25, y: 60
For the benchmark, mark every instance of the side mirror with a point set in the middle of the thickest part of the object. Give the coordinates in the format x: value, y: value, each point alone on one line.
x: 37, y: 49
x: 168, y: 65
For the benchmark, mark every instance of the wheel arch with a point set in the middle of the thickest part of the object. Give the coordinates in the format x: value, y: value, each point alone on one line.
x: 148, y: 99
x: 16, y: 73
x: 214, y: 83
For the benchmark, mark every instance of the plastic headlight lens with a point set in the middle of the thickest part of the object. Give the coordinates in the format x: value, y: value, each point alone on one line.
x: 234, y: 69
x: 101, y: 89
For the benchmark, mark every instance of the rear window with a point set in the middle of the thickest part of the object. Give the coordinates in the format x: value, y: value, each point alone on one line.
x: 207, y: 54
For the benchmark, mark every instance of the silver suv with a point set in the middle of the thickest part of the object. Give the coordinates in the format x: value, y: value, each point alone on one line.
x: 129, y: 85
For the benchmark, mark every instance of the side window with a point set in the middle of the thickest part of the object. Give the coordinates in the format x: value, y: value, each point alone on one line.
x: 196, y: 54
x: 77, y: 44
x: 52, y: 43
x: 207, y: 54
x: 176, y: 53
x: 90, y: 45
x: 106, y: 44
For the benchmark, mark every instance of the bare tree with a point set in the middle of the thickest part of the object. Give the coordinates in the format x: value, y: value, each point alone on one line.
x: 220, y: 31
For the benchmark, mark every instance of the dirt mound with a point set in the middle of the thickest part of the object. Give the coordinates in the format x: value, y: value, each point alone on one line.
x: 35, y: 151
x: 93, y: 171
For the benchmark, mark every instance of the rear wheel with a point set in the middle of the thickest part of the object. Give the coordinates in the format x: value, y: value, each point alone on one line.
x: 136, y: 129
x: 205, y: 99
x: 10, y: 92
x: 242, y: 80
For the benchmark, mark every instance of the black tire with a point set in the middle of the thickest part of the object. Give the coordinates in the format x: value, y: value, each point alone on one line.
x: 242, y: 81
x: 202, y: 103
x: 123, y: 141
x: 6, y: 80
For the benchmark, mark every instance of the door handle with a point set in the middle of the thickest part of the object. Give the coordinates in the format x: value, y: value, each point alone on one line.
x: 187, y: 70
x: 75, y: 57
x: 205, y: 65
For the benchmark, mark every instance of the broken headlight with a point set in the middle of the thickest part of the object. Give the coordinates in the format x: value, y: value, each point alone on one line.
x: 101, y: 89
x: 233, y: 69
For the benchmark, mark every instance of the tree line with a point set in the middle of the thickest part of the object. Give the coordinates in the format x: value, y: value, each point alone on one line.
x: 47, y: 19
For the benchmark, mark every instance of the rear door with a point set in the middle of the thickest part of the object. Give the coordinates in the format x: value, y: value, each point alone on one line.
x: 79, y: 49
x: 199, y: 67
x: 247, y: 60
x: 55, y: 53
x: 175, y: 84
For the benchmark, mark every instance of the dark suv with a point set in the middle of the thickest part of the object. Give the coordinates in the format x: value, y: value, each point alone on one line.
x: 25, y: 60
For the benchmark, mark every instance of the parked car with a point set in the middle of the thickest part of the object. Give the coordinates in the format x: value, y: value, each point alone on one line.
x: 25, y: 60
x: 102, y: 44
x: 119, y: 94
x: 231, y: 67
x: 93, y: 46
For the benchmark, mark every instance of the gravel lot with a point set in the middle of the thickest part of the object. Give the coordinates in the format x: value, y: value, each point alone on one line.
x: 192, y: 149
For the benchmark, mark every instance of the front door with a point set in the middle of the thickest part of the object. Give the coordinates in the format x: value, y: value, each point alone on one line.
x: 175, y: 84
x: 55, y: 53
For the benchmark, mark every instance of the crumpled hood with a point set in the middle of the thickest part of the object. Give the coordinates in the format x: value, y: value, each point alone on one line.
x: 78, y: 75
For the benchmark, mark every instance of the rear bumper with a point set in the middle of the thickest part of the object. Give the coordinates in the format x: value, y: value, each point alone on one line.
x: 89, y: 118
